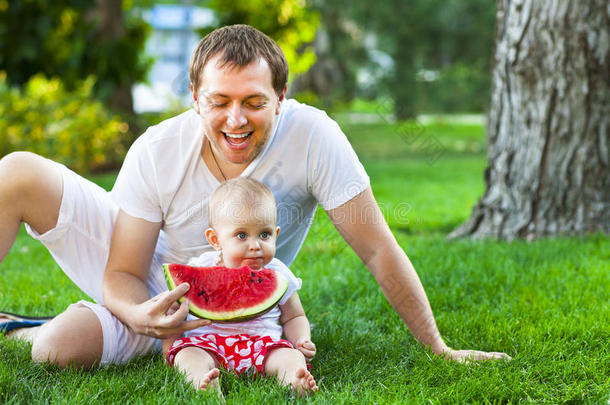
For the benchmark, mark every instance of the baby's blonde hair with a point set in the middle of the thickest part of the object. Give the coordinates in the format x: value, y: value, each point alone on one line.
x: 235, y: 195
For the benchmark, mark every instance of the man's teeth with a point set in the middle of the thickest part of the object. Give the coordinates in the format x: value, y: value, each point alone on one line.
x: 238, y: 136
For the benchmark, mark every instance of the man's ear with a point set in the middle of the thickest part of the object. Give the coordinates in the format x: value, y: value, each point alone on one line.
x: 281, y: 98
x: 195, y: 102
x: 212, y: 237
x: 277, y: 231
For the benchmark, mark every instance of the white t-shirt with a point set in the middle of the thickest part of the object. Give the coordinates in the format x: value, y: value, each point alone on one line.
x: 307, y: 160
x: 264, y: 325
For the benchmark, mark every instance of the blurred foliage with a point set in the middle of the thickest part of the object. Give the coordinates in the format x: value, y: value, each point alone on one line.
x: 69, y: 39
x: 289, y: 22
x: 453, y: 38
x: 340, y: 54
x: 459, y: 88
x: 67, y: 126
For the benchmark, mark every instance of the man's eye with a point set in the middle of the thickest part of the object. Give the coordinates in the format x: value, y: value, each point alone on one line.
x: 265, y: 235
x: 241, y: 235
x: 256, y: 106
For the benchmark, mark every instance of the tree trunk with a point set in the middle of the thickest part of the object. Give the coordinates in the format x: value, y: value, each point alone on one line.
x: 112, y: 27
x: 548, y: 153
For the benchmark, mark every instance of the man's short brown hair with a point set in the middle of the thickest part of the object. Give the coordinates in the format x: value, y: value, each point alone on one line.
x: 239, y: 45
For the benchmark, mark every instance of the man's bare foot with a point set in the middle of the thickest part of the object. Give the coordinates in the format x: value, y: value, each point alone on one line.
x: 303, y: 382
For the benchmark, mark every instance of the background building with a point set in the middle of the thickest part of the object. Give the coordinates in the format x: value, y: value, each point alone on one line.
x: 171, y: 43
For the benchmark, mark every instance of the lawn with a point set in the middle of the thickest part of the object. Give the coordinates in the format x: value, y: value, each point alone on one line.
x: 545, y: 303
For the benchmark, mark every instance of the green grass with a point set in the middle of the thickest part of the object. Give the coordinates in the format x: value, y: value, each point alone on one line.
x: 545, y: 303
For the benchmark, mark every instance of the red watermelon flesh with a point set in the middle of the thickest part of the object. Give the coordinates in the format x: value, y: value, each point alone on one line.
x: 224, y: 294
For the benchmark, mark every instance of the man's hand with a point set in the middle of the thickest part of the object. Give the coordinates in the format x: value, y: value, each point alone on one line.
x: 466, y: 356
x: 307, y: 347
x: 161, y: 317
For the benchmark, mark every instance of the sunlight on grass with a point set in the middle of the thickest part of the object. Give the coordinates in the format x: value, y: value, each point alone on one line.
x: 545, y: 303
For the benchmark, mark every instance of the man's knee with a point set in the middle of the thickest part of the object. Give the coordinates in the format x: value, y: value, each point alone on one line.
x: 32, y: 187
x: 23, y: 171
x: 73, y: 338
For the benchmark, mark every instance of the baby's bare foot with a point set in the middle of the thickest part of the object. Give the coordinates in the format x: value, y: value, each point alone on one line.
x: 210, y: 379
x: 303, y: 382
x: 210, y: 383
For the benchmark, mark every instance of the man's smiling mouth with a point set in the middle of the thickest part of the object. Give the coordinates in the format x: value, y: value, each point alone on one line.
x: 237, y: 139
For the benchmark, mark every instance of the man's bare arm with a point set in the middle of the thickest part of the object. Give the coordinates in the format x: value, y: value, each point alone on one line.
x: 364, y: 228
x: 125, y: 289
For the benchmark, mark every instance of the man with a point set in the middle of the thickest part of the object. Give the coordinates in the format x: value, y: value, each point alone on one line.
x: 241, y: 125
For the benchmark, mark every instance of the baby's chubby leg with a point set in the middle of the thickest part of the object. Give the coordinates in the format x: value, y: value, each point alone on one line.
x: 200, y: 368
x: 289, y: 366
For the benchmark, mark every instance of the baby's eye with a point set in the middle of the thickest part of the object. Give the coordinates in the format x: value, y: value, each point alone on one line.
x: 241, y: 235
x: 265, y: 235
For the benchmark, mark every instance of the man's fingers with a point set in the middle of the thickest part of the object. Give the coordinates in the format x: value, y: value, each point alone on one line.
x: 172, y: 310
x: 467, y: 356
x: 500, y: 356
x: 165, y: 300
x: 175, y: 320
x: 180, y: 328
x: 194, y: 324
x: 490, y: 356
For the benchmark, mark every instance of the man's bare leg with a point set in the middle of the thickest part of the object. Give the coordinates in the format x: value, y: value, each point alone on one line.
x: 72, y: 338
x: 289, y: 366
x: 30, y: 191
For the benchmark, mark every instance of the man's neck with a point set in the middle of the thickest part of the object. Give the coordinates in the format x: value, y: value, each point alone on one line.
x: 220, y: 168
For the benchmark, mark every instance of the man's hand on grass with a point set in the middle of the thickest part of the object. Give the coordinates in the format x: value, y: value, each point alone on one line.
x: 467, y: 356
x: 161, y: 317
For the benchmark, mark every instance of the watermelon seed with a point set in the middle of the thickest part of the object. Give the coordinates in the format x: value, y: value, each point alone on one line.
x: 200, y: 293
x: 260, y: 280
x: 252, y: 274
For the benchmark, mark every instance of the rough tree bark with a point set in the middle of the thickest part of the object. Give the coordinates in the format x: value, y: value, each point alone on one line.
x: 548, y: 128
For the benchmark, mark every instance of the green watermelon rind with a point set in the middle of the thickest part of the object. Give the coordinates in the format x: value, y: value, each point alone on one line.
x: 238, y: 315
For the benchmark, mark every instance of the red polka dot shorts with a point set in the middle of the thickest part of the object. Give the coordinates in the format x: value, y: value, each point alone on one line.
x: 235, y: 352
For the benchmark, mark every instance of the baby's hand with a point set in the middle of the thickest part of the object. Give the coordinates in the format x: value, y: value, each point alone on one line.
x: 307, y: 347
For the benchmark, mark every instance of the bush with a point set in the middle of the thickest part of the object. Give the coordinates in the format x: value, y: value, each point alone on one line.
x: 67, y: 126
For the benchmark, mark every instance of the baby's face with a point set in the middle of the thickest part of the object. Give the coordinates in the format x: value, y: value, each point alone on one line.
x: 247, y: 237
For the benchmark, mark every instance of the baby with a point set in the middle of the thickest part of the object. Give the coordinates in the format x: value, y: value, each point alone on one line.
x: 243, y: 231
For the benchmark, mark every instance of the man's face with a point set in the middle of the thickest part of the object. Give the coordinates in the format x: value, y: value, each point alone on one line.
x: 238, y: 106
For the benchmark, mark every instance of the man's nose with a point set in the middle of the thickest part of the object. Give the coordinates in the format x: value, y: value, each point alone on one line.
x: 236, y: 117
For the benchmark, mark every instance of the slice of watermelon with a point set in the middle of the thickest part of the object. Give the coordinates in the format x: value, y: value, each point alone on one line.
x: 227, y: 295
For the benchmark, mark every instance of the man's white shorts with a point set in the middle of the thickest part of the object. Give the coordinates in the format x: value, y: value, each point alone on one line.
x: 79, y: 243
